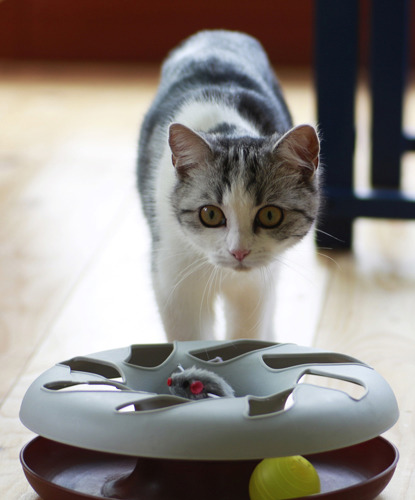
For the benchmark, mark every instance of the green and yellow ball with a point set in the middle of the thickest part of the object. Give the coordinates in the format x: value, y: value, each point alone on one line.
x: 283, y: 478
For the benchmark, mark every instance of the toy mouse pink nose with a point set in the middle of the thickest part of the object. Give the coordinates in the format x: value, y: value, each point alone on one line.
x: 240, y: 254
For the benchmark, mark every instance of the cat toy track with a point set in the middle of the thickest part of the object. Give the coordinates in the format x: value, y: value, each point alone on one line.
x: 137, y: 416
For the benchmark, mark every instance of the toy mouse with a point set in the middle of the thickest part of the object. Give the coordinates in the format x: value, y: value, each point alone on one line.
x: 196, y: 383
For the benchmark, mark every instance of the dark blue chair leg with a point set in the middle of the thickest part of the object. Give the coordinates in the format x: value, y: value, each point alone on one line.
x: 336, y: 56
x: 389, y: 42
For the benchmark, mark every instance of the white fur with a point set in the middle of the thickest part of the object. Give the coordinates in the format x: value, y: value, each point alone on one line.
x: 203, y: 116
x: 188, y: 277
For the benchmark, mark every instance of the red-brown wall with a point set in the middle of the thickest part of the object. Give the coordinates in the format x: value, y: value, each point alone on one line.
x: 125, y: 30
x: 142, y: 30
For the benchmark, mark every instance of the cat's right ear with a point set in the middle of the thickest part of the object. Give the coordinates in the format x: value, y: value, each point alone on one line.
x: 188, y: 149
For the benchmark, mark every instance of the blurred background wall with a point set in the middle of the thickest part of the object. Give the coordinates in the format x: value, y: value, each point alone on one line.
x: 145, y: 30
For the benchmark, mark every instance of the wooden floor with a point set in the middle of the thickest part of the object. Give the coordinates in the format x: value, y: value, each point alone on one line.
x: 74, y: 250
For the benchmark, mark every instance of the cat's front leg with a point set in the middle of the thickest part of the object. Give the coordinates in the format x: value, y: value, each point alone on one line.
x: 185, y: 293
x: 249, y: 301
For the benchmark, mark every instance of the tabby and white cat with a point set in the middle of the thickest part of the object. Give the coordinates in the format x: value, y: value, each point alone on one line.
x: 227, y: 185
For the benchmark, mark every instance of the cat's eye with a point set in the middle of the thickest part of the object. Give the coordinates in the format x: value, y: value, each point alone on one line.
x: 212, y: 216
x: 269, y: 217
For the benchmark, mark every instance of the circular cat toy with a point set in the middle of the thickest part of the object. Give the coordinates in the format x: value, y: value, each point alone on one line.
x: 205, y: 402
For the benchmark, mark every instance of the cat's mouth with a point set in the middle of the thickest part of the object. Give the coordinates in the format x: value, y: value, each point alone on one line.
x: 250, y: 263
x: 236, y: 266
x: 241, y: 267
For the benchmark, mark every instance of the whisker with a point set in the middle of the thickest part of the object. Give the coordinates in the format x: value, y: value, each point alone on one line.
x: 268, y: 280
x: 186, y: 273
x: 339, y: 267
x: 329, y: 235
x: 271, y: 278
x: 206, y: 293
x: 290, y: 265
x: 260, y: 319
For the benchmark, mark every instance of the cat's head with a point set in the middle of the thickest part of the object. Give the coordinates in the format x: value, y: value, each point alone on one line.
x: 244, y: 200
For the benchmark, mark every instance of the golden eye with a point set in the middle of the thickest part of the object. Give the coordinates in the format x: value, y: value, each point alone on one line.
x: 212, y: 216
x: 269, y: 217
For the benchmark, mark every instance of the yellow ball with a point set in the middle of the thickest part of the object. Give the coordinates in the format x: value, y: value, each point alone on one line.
x: 283, y: 478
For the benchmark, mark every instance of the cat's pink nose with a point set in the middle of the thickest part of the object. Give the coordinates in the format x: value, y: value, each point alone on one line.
x: 240, y: 254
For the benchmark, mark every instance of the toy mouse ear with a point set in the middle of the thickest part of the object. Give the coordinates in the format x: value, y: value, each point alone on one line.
x: 196, y: 387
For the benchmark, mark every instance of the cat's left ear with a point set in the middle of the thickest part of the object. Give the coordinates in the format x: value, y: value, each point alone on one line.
x: 300, y: 147
x: 188, y: 148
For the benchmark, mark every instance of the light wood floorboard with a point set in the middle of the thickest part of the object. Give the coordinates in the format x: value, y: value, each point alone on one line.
x: 74, y: 249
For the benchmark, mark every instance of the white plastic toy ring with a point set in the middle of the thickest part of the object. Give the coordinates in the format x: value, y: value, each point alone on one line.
x: 137, y: 416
